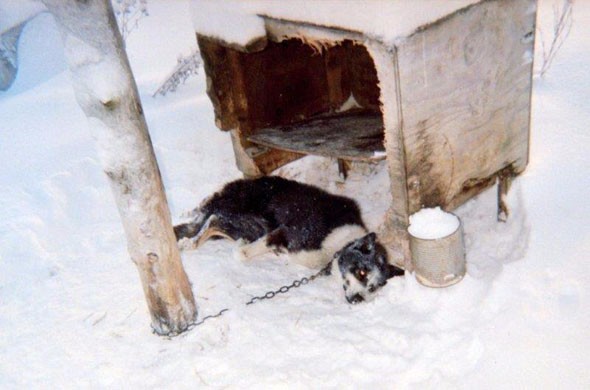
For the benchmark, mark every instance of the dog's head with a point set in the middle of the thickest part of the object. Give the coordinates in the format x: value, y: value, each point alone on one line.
x: 364, y: 269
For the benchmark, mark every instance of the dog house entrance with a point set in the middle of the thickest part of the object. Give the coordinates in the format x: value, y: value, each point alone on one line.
x: 294, y: 98
x: 318, y: 100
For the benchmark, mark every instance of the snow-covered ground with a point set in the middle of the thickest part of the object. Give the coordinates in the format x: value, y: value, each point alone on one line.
x: 73, y: 315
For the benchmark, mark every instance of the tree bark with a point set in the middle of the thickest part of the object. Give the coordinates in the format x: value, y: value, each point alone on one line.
x: 107, y: 93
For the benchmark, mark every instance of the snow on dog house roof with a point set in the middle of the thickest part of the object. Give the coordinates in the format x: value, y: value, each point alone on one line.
x: 440, y: 89
x: 239, y: 23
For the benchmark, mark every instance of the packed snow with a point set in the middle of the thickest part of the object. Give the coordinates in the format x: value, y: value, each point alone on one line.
x: 432, y: 223
x: 388, y: 21
x: 73, y: 314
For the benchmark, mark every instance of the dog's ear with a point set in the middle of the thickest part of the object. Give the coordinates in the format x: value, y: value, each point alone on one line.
x: 392, y: 270
x: 367, y: 243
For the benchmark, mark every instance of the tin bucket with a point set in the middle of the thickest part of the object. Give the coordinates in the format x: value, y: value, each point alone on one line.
x: 439, y: 262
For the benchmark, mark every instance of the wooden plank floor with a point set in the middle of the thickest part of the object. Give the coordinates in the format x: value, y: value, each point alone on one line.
x: 354, y: 136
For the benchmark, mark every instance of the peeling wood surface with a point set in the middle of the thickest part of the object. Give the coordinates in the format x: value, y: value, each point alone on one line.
x: 278, y: 29
x: 254, y: 45
x: 219, y: 71
x: 254, y: 161
x: 394, y: 233
x: 465, y: 97
x: 287, y: 82
x: 275, y: 158
x: 244, y: 161
x: 353, y: 136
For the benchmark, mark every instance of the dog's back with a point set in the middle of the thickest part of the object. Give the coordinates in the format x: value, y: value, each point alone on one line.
x: 297, y: 216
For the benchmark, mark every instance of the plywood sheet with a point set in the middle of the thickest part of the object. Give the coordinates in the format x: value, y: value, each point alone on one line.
x: 354, y: 136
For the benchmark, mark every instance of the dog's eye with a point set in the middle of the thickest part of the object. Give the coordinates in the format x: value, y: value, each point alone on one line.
x: 365, y: 249
x: 361, y: 274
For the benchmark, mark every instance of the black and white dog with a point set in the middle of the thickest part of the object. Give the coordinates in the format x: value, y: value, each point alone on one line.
x: 313, y: 227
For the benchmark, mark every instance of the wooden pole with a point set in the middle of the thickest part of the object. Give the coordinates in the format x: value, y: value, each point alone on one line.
x: 395, y: 234
x: 107, y: 93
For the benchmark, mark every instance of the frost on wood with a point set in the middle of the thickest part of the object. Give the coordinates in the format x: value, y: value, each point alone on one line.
x: 186, y: 67
x: 107, y: 93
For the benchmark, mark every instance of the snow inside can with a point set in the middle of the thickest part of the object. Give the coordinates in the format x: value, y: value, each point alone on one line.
x: 437, y: 246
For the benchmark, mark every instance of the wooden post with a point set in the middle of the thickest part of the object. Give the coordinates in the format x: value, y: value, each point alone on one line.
x: 505, y: 178
x: 395, y: 234
x: 106, y: 92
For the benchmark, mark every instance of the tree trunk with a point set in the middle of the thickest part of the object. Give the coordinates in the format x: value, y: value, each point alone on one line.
x: 106, y: 92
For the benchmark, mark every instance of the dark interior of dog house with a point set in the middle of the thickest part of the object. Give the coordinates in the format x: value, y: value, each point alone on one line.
x: 295, y: 98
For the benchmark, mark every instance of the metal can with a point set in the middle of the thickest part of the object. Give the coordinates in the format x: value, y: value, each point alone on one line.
x: 439, y: 262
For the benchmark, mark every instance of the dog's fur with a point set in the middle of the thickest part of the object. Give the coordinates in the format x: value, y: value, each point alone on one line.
x: 313, y: 227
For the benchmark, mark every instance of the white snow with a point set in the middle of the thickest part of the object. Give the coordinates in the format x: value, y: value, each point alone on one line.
x: 100, y: 77
x: 73, y: 314
x: 349, y: 104
x: 227, y: 20
x: 432, y: 223
x: 237, y: 21
x: 44, y: 60
x: 15, y: 12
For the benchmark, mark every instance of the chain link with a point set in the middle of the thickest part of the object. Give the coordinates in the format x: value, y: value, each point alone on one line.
x: 175, y: 333
x: 268, y: 295
x: 282, y: 290
x: 296, y: 283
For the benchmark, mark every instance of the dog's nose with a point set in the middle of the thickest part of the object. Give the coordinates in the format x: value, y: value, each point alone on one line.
x: 356, y: 298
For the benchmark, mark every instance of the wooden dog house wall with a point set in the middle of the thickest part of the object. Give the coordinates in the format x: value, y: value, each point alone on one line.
x: 449, y: 104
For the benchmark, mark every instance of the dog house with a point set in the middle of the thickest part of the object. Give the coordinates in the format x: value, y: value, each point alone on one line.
x: 440, y: 89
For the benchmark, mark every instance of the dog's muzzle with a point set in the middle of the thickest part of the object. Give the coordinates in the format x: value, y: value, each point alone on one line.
x: 356, y: 298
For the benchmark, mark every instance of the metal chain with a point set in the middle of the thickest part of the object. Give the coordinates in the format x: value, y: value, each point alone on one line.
x: 190, y: 326
x: 269, y: 295
x: 296, y: 283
